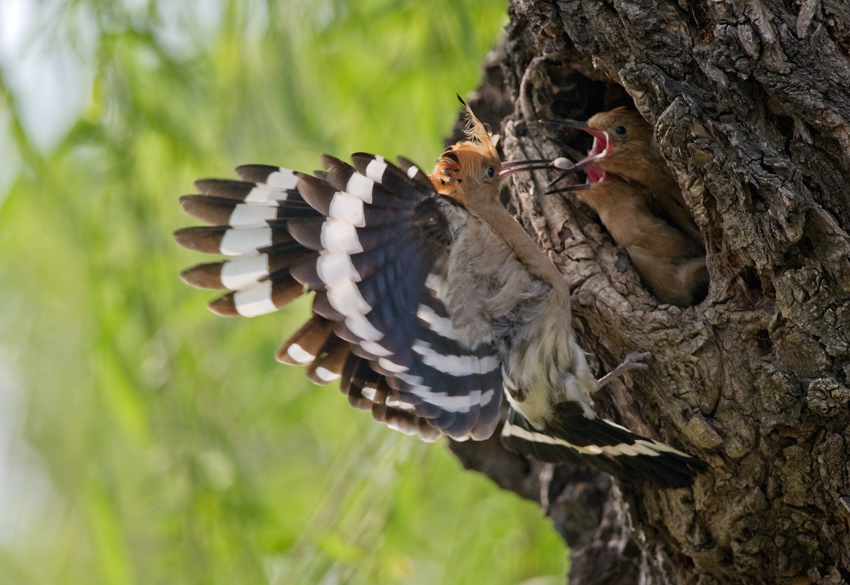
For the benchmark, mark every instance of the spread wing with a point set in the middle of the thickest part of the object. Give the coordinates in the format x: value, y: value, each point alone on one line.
x: 371, y: 240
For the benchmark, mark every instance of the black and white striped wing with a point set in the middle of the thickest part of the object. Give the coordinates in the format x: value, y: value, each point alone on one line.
x: 250, y: 225
x: 371, y: 241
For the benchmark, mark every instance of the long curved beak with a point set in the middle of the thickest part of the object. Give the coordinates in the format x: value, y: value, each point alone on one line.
x: 576, y: 124
x: 518, y: 166
x: 562, y: 164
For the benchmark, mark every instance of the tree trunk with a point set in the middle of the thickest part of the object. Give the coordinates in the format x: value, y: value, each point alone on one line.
x: 750, y: 101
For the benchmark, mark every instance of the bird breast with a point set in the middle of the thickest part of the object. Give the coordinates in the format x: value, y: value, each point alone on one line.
x: 493, y: 297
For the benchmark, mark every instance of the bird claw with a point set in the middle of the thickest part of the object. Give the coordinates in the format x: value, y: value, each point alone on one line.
x: 633, y: 361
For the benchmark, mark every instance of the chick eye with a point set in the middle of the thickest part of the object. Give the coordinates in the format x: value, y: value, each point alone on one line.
x: 491, y: 172
x: 620, y: 130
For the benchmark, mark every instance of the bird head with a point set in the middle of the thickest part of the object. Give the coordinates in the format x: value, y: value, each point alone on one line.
x: 622, y: 142
x: 621, y: 138
x: 471, y: 172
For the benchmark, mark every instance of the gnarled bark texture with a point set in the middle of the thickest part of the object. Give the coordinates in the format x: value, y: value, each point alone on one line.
x: 750, y: 101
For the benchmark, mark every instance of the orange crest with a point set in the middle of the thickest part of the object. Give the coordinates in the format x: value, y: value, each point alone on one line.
x: 463, y: 159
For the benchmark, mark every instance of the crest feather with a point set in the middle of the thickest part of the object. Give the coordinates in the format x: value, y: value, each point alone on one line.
x: 464, y: 159
x: 477, y: 136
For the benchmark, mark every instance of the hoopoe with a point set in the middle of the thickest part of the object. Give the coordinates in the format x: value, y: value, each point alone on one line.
x: 639, y: 202
x: 623, y: 144
x: 431, y: 301
x: 670, y: 265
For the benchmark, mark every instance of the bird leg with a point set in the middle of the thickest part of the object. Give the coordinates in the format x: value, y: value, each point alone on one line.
x: 633, y: 361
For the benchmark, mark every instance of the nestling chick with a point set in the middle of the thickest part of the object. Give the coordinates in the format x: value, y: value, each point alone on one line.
x: 671, y: 265
x: 623, y: 144
x: 639, y: 202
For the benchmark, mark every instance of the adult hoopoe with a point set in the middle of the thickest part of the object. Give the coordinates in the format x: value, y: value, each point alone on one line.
x: 430, y: 300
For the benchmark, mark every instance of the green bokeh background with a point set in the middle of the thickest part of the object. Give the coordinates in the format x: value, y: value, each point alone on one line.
x: 173, y: 447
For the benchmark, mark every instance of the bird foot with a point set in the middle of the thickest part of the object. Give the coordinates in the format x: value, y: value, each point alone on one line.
x: 633, y: 361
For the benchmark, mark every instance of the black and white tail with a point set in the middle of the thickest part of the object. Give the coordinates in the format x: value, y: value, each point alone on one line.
x: 573, y: 437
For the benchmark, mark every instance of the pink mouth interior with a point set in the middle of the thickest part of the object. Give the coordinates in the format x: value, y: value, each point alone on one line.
x: 595, y: 174
x: 600, y: 144
x: 598, y: 150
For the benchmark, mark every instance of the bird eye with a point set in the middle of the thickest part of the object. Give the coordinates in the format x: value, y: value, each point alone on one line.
x: 620, y: 130
x: 491, y: 172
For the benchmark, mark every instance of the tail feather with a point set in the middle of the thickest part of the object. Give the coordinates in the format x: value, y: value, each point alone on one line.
x: 571, y: 437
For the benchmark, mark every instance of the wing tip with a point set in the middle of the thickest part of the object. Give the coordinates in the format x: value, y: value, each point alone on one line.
x: 224, y: 306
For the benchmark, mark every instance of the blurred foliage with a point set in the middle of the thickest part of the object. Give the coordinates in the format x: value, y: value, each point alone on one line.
x: 177, y: 449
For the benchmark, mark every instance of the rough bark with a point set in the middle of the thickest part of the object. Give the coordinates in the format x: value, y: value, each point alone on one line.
x: 750, y: 101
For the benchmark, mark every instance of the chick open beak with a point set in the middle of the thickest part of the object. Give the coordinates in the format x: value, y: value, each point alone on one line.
x: 601, y: 141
